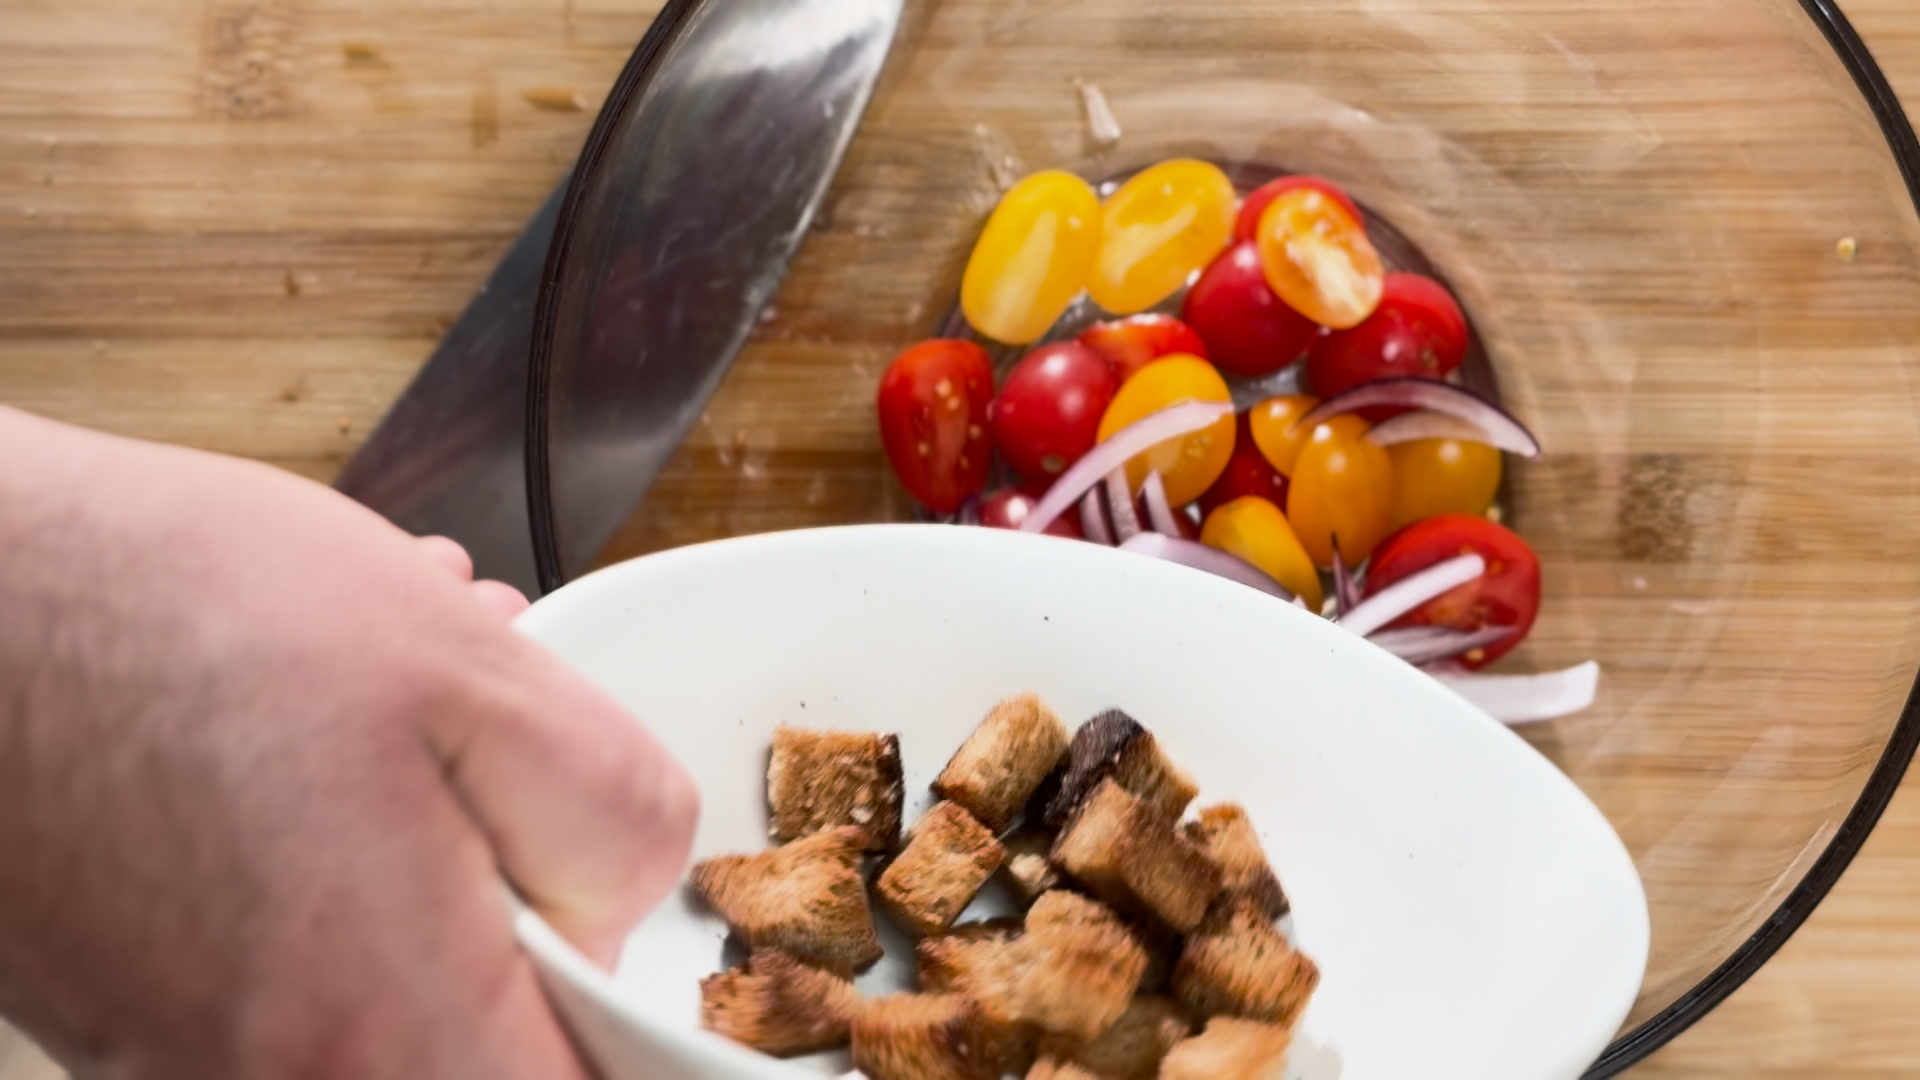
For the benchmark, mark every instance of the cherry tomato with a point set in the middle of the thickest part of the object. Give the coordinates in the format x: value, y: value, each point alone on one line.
x: 1132, y: 343
x: 1007, y: 508
x: 1247, y: 225
x: 1274, y: 426
x: 1318, y: 259
x: 1032, y: 258
x: 933, y: 421
x: 1417, y: 330
x: 1161, y: 226
x: 1256, y: 531
x: 1189, y: 464
x: 1442, y: 476
x: 1508, y: 594
x: 1341, y: 486
x: 1248, y: 330
x: 1248, y: 473
x: 1049, y: 408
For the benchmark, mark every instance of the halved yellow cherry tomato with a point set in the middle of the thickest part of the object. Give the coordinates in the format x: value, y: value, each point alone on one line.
x: 1276, y: 431
x: 1342, y: 485
x: 1160, y: 227
x: 1318, y: 259
x: 1442, y: 476
x: 1033, y: 257
x: 1255, y: 530
x: 1187, y: 465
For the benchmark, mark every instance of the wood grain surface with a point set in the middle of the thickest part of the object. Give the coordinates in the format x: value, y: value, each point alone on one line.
x: 241, y: 226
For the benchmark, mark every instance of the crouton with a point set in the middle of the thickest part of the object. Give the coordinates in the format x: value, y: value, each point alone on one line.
x: 946, y: 860
x: 1081, y: 966
x: 826, y: 779
x: 1162, y: 944
x: 1230, y: 1050
x: 1130, y: 854
x: 1113, y: 744
x: 1004, y: 761
x: 1129, y: 1050
x: 806, y: 898
x: 779, y: 1006
x: 984, y: 961
x: 922, y: 1037
x: 1046, y: 1067
x: 1237, y: 964
x: 1027, y: 870
x: 1227, y: 834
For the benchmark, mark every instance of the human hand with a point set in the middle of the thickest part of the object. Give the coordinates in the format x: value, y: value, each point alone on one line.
x: 264, y: 760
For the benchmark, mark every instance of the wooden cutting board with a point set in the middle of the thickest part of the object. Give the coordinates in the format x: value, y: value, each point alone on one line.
x: 241, y: 224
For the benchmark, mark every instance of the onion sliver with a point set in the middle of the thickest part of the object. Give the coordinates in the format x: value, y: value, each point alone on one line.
x: 1093, y: 519
x: 1408, y: 593
x: 1423, y: 424
x: 1159, y: 511
x: 1345, y: 594
x: 1498, y: 428
x: 1212, y: 560
x: 1520, y: 699
x: 1444, y: 644
x: 1126, y: 523
x: 1123, y: 445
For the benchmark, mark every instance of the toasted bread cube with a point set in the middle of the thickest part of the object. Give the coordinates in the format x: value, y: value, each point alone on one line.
x: 1162, y: 944
x: 1237, y: 964
x: 923, y: 1037
x: 806, y: 898
x: 1126, y: 851
x: 1113, y: 744
x: 827, y: 779
x: 1131, y: 1049
x: 946, y: 860
x: 1028, y: 869
x: 1004, y: 761
x: 1082, y: 966
x: 779, y: 1006
x: 1227, y: 834
x: 986, y: 962
x: 1230, y: 1050
x: 1053, y: 1068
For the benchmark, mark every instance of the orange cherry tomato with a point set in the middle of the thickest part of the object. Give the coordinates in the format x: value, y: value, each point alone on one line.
x: 1341, y: 486
x: 1189, y: 464
x: 1255, y: 530
x: 1033, y: 257
x: 1160, y: 227
x: 1274, y: 425
x: 1442, y: 476
x: 1318, y: 259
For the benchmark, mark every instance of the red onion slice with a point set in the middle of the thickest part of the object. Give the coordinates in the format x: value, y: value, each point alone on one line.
x: 1159, y: 511
x: 1126, y: 523
x: 1212, y: 560
x: 1496, y: 426
x: 1408, y: 593
x: 1521, y: 699
x: 1093, y: 520
x: 1136, y: 438
x: 1431, y: 644
x: 1346, y: 595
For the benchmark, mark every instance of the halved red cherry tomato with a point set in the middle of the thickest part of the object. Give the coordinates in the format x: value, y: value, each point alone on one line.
x: 1008, y: 507
x: 1132, y: 343
x: 933, y: 421
x: 1248, y: 473
x: 1508, y: 594
x: 1418, y: 330
x: 1248, y: 329
x: 1247, y: 225
x: 1048, y: 411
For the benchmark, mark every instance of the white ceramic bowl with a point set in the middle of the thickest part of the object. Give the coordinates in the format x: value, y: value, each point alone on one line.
x: 1473, y: 915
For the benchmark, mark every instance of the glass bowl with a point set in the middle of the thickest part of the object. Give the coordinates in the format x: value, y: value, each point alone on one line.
x: 1686, y: 237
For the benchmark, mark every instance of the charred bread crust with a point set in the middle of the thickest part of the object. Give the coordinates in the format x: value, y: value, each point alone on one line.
x: 779, y: 1006
x: 1028, y: 870
x: 1046, y: 1067
x: 1227, y: 834
x: 1082, y: 966
x: 1132, y: 1048
x: 807, y: 898
x: 820, y: 780
x: 923, y: 1037
x: 1230, y: 1050
x: 1130, y: 854
x: 1237, y: 964
x: 947, y: 858
x: 1004, y: 761
x: 1114, y: 744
